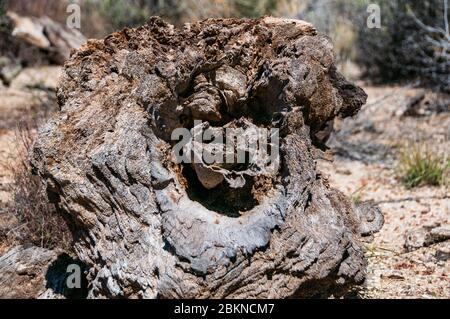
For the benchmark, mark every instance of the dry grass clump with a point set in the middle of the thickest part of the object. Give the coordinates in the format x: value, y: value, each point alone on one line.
x: 418, y: 165
x: 33, y: 219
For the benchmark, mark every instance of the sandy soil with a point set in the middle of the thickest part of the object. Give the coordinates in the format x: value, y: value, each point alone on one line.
x: 364, y: 169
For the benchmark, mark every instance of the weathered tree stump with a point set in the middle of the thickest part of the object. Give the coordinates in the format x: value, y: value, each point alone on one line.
x: 149, y: 227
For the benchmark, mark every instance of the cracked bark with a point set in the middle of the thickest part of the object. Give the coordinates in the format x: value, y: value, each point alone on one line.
x: 148, y: 227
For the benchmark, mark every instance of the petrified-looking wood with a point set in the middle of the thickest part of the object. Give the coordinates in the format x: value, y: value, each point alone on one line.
x: 145, y: 225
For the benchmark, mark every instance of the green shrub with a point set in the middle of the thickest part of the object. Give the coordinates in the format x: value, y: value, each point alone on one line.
x: 115, y: 15
x: 118, y: 14
x: 254, y: 8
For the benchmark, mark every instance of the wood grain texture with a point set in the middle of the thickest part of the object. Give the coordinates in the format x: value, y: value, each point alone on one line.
x: 106, y: 161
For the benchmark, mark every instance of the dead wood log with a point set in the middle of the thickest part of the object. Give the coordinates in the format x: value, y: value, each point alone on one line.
x: 149, y: 227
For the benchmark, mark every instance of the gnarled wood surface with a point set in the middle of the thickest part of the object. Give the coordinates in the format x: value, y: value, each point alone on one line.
x: 149, y: 227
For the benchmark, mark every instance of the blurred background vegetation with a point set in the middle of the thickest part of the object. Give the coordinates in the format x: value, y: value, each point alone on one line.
x: 411, y: 45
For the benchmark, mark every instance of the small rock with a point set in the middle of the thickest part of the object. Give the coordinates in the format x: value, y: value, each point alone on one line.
x: 440, y: 234
x: 416, y: 239
x: 443, y: 252
x: 426, y: 236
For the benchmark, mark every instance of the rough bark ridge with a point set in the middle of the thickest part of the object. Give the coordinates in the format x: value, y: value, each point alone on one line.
x: 151, y: 228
